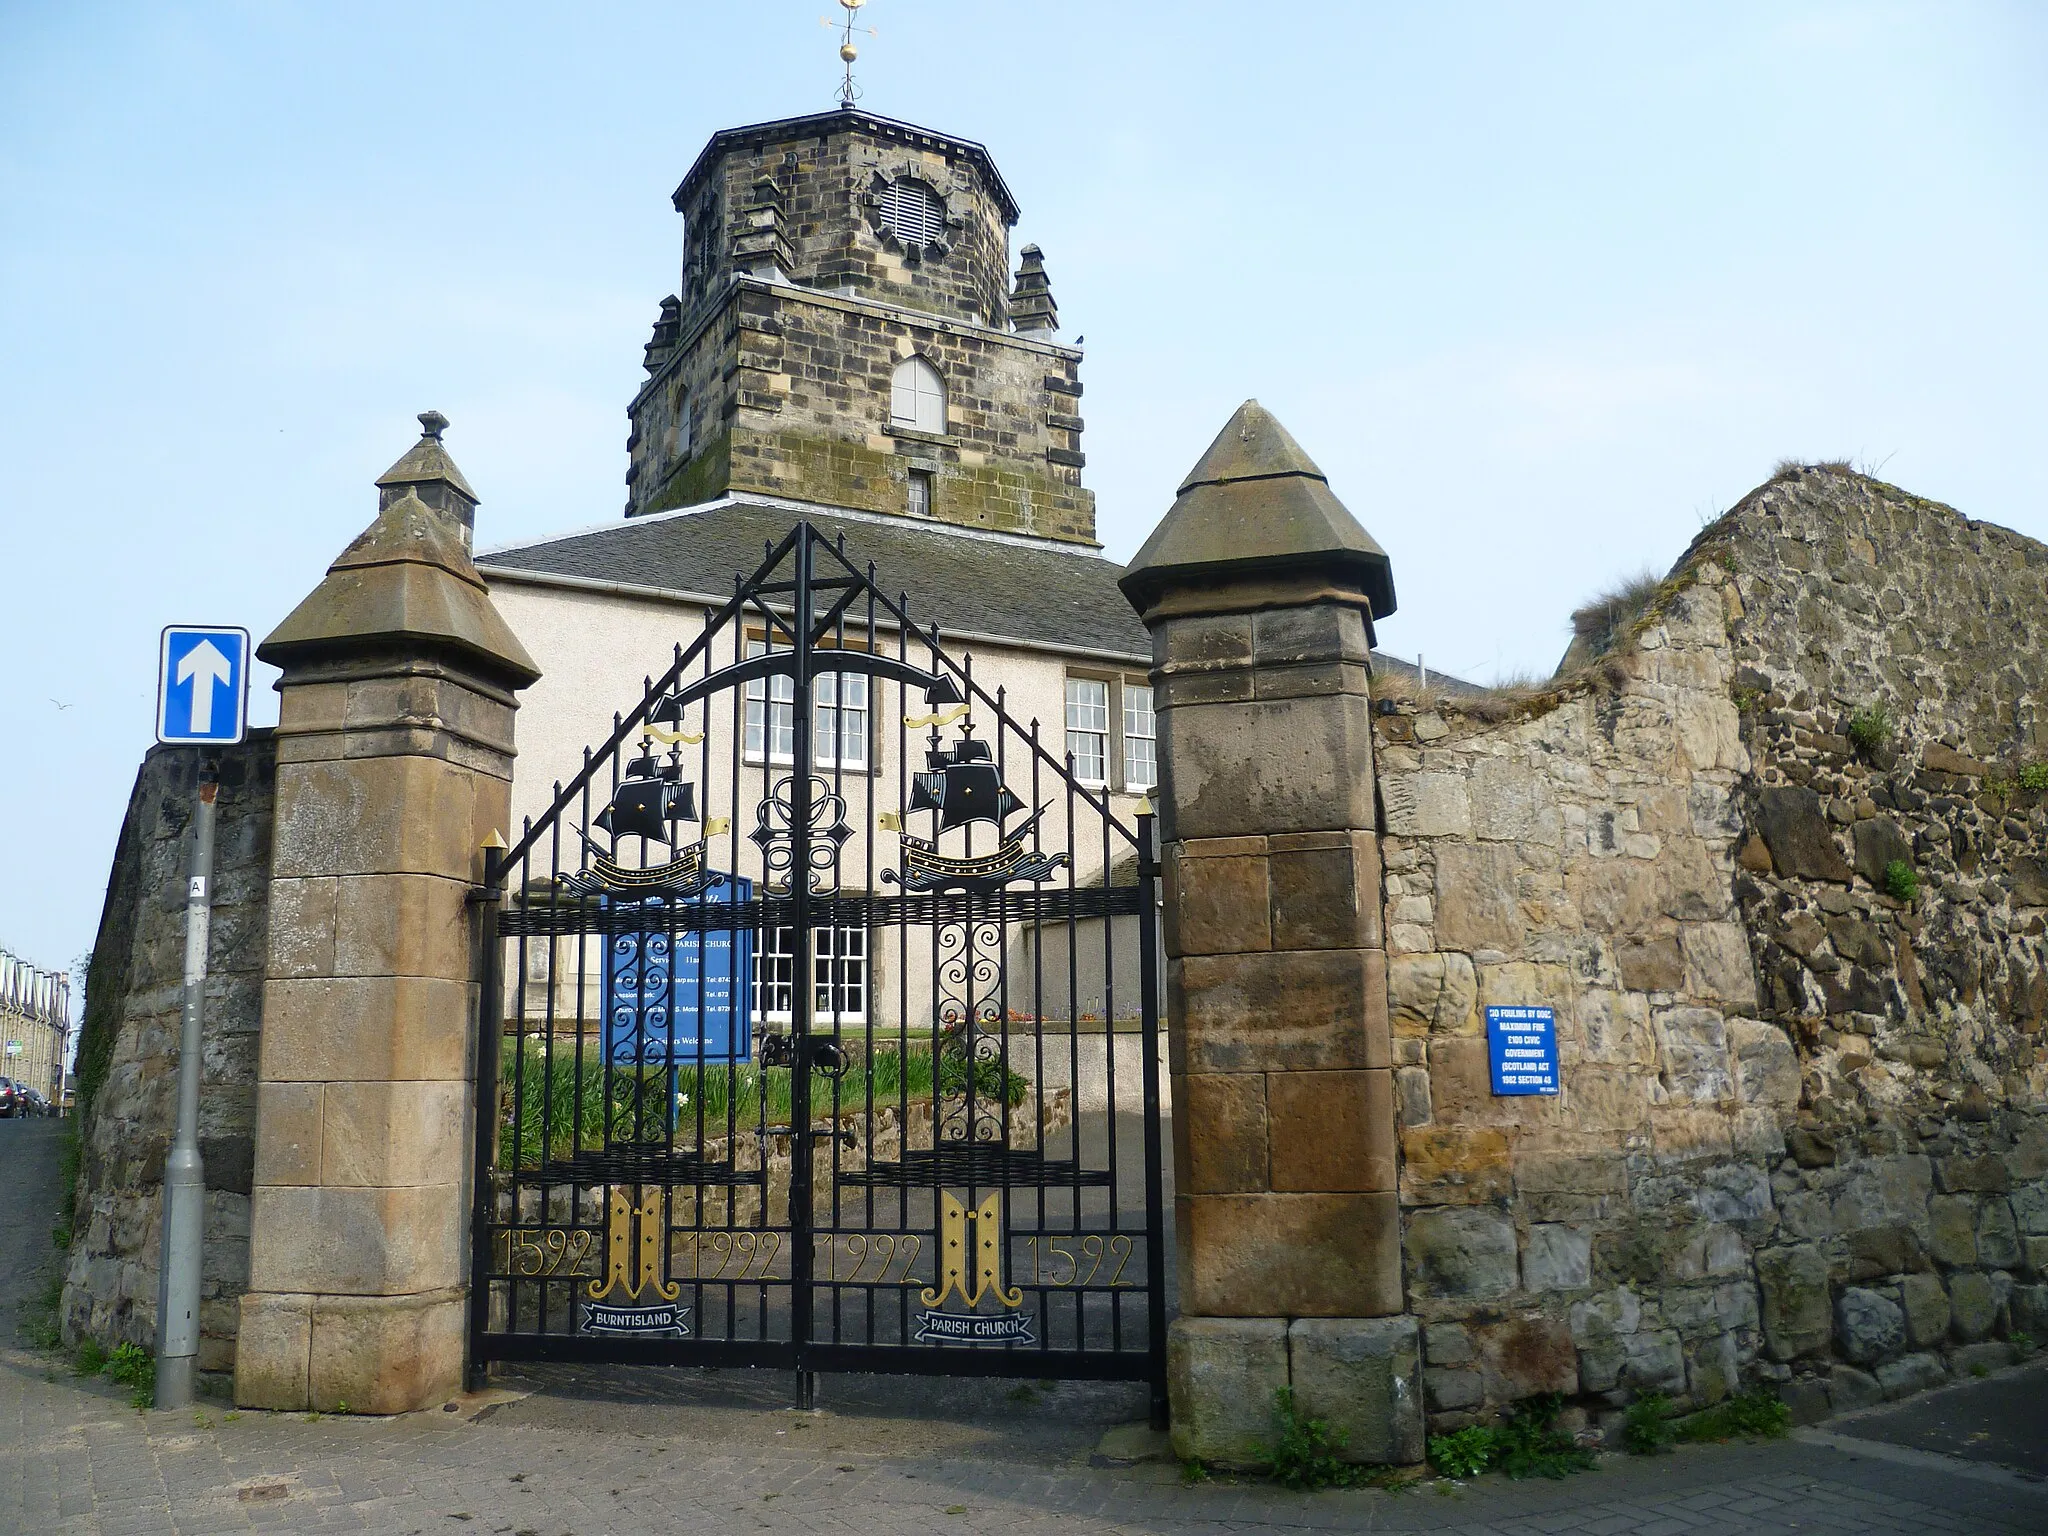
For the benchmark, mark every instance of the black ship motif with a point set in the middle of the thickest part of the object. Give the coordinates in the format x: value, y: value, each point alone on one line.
x: 963, y: 786
x: 651, y: 798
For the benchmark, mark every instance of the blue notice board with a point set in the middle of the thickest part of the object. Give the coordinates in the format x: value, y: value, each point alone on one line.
x: 1521, y: 1043
x: 667, y: 1000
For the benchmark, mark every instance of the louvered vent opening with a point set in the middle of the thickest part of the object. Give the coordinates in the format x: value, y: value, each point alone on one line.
x: 912, y: 213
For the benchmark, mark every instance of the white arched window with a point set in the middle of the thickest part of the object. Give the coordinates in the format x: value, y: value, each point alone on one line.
x: 917, y: 396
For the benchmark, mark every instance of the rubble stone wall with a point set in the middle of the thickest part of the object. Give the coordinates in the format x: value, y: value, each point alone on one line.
x: 1799, y: 976
x: 128, y: 1051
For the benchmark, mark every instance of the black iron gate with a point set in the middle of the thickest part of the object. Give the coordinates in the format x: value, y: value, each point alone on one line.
x: 810, y: 1057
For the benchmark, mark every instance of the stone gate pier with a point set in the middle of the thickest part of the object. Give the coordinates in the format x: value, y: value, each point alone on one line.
x: 1260, y: 591
x: 394, y: 765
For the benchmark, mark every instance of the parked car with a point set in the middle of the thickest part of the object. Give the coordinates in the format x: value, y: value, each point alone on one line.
x: 36, y: 1106
x: 10, y: 1099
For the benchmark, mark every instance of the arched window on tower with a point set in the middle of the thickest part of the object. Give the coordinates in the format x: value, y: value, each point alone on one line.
x: 917, y: 396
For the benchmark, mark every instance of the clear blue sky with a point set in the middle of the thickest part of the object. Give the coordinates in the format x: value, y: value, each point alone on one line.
x: 1541, y: 287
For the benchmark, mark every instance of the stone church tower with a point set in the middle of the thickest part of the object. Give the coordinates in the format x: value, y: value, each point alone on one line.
x: 848, y: 333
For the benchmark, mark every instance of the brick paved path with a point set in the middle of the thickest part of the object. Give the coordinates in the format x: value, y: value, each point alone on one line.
x: 649, y: 1451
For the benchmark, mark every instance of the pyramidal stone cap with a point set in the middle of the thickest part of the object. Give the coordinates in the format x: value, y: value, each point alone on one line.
x: 1255, y: 507
x: 406, y: 580
x: 430, y: 474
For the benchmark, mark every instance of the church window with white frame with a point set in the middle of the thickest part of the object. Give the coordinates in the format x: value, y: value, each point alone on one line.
x: 917, y: 396
x: 1141, y: 732
x: 839, y: 717
x: 839, y: 974
x: 1088, y: 728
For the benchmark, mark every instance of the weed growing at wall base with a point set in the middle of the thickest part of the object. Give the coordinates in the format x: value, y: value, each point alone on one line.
x: 1646, y: 1428
x: 1529, y: 1444
x: 1756, y: 1413
x: 135, y: 1368
x: 1307, y: 1453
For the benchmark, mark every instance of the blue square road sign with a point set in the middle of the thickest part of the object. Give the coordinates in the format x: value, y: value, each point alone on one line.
x: 202, y: 685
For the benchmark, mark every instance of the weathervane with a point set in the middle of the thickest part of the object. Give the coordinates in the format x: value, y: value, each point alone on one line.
x: 848, y: 91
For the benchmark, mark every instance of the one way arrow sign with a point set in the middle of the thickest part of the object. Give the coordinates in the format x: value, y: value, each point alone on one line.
x: 202, y: 685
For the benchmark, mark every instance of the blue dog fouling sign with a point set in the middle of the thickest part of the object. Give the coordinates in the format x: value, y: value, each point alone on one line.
x: 1521, y: 1043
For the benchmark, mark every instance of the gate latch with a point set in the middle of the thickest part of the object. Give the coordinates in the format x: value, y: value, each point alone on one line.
x: 822, y: 1053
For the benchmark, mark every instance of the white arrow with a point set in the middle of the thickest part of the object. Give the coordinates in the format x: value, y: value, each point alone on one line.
x: 203, y: 667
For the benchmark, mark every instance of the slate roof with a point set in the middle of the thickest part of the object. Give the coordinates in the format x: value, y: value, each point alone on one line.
x: 1031, y: 590
x: 1060, y: 596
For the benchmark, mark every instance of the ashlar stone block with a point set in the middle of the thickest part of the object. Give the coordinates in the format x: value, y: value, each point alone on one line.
x: 1265, y: 766
x: 363, y: 1241
x: 1295, y: 1255
x: 1302, y: 1010
x: 391, y: 815
x: 399, y: 1133
x: 401, y: 925
x: 288, y: 1133
x: 1220, y: 1134
x: 274, y: 1351
x: 1363, y: 1376
x: 1325, y: 890
x: 385, y: 1354
x: 302, y: 927
x: 1223, y: 1377
x: 1331, y: 1131
x: 1217, y: 899
x: 365, y: 1029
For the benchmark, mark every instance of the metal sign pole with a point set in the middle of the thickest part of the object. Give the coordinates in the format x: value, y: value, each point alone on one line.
x: 177, y: 1327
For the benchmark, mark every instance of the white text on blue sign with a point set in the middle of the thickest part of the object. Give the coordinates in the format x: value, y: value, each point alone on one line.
x: 1521, y: 1048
